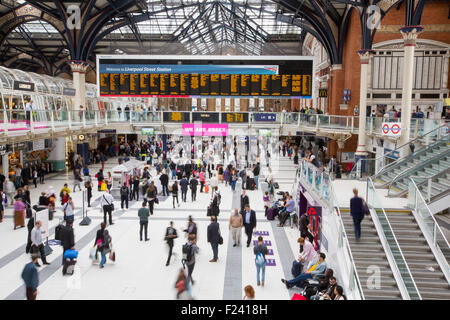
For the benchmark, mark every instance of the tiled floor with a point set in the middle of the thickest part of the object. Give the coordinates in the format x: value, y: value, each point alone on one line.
x: 140, y: 271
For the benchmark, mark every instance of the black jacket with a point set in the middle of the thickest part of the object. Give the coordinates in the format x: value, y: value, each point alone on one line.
x: 244, y: 201
x: 252, y: 218
x: 213, y: 232
x: 194, y: 229
x: 193, y: 183
x: 67, y: 237
x: 164, y: 179
x: 303, y: 223
x: 124, y: 191
x: 357, y: 207
x: 184, y: 184
x: 170, y: 240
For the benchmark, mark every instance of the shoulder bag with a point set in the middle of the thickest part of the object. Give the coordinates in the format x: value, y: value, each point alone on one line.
x: 111, y: 205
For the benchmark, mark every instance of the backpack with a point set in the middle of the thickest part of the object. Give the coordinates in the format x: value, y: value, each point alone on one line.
x: 259, y: 260
x: 123, y: 191
x: 187, y: 252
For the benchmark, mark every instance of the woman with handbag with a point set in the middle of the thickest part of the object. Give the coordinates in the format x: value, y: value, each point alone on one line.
x: 102, y: 242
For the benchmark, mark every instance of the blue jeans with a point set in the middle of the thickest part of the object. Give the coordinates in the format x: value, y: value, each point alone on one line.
x: 18, y: 181
x: 299, y: 280
x: 357, y: 225
x: 103, y: 259
x: 256, y: 182
x: 258, y: 269
x: 174, y: 174
x: 215, y: 249
x: 233, y: 185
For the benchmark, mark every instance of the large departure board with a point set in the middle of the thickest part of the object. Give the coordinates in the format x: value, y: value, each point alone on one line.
x: 221, y: 77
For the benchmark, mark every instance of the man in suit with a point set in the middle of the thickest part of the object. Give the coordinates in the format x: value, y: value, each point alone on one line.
x: 188, y: 170
x: 67, y: 237
x: 171, y: 234
x: 193, y: 184
x: 213, y: 238
x: 249, y: 222
x: 164, y: 183
x: 244, y: 200
x: 357, y: 209
x: 184, y: 188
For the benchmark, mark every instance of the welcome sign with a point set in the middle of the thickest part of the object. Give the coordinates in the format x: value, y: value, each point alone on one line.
x: 192, y: 129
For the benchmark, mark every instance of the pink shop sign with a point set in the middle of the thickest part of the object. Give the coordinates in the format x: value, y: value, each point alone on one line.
x: 192, y: 129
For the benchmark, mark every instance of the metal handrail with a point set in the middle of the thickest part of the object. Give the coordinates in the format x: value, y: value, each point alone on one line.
x: 389, y: 254
x: 434, y: 246
x: 355, y: 167
x: 426, y: 163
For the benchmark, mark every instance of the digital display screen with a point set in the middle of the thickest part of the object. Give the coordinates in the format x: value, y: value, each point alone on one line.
x: 222, y: 77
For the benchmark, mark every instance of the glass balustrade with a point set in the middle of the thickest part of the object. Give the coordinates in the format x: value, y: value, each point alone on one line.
x: 321, y: 184
x: 430, y: 228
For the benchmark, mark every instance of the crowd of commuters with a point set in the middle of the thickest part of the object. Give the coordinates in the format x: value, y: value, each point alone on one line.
x: 177, y: 178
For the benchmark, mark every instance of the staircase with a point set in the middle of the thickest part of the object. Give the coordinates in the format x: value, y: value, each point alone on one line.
x: 426, y: 162
x: 369, y: 252
x: 418, y: 255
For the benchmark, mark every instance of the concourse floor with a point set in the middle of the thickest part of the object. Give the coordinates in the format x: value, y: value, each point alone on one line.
x: 140, y: 271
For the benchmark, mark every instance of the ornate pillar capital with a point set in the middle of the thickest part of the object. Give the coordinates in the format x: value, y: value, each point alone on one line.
x: 78, y: 66
x: 336, y: 67
x: 365, y: 55
x: 410, y: 34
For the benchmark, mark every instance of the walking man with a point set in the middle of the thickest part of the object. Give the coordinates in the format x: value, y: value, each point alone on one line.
x: 67, y: 237
x: 244, y: 200
x: 190, y: 260
x: 106, y: 202
x: 184, y: 188
x: 357, y: 210
x: 143, y: 214
x: 193, y: 184
x: 31, y: 277
x: 36, y: 242
x: 171, y: 234
x: 213, y: 238
x: 164, y: 183
x: 249, y: 217
x: 124, y: 193
x: 235, y: 226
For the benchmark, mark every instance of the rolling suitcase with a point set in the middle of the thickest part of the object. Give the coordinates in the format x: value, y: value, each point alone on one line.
x: 69, y: 266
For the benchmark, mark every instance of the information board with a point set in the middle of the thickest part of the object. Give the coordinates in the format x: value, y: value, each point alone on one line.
x: 235, y: 117
x: 222, y: 76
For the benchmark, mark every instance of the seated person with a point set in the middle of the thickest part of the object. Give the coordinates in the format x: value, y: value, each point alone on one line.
x: 328, y: 293
x: 317, y: 269
x: 289, y: 208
